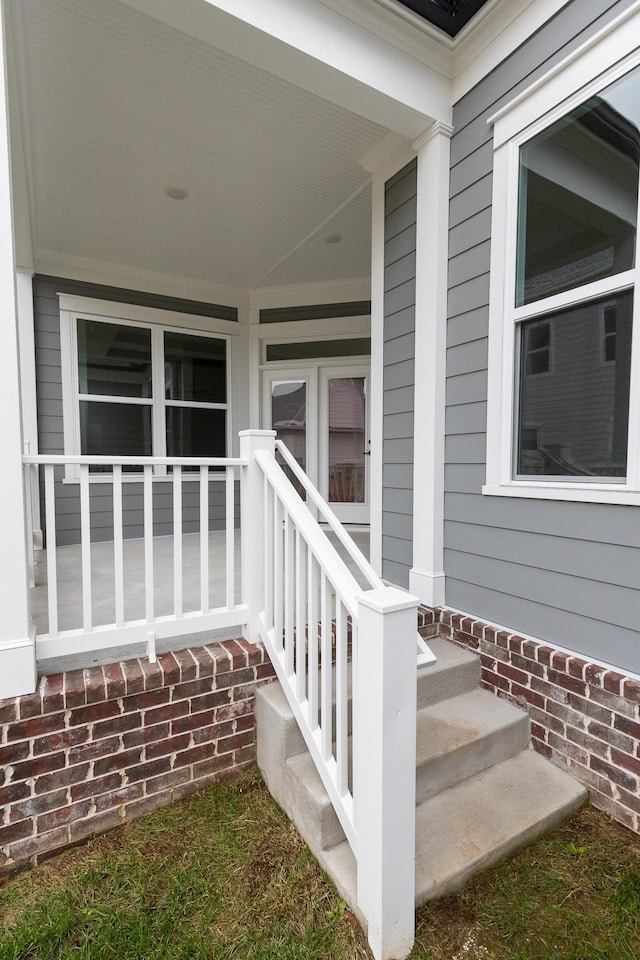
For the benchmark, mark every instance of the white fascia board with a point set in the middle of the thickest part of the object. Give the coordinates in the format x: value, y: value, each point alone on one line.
x: 495, y: 32
x: 402, y: 28
x: 319, y: 50
x: 87, y: 270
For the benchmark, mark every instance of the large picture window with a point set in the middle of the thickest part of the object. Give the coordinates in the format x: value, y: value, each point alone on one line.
x: 564, y: 366
x: 577, y: 212
x: 144, y: 390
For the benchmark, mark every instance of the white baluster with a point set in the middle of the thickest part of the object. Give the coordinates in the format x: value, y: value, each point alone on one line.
x: 277, y: 572
x: 230, y: 534
x: 85, y: 546
x: 268, y: 500
x: 148, y: 544
x: 300, y: 617
x: 342, y: 718
x: 118, y: 547
x: 312, y: 642
x: 52, y: 565
x: 177, y: 541
x: 326, y: 680
x: 289, y: 593
x: 204, y: 539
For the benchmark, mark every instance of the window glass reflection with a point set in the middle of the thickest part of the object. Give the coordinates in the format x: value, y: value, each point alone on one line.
x: 579, y: 195
x: 195, y: 368
x: 573, y: 421
x: 114, y: 359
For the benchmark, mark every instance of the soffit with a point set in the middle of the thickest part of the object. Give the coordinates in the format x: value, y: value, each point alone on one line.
x: 116, y: 106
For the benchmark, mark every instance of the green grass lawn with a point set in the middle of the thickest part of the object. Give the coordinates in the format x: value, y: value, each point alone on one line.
x: 224, y: 875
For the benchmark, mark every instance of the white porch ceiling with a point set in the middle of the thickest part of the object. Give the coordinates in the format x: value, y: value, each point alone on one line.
x: 116, y: 106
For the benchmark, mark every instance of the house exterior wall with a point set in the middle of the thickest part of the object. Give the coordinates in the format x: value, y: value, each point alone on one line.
x: 564, y: 572
x: 50, y: 423
x: 398, y: 377
x: 93, y: 749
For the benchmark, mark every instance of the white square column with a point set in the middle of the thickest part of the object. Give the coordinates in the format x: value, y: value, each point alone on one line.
x: 17, y: 647
x: 426, y: 579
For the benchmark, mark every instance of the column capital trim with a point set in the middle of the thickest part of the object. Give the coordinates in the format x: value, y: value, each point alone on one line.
x: 437, y: 129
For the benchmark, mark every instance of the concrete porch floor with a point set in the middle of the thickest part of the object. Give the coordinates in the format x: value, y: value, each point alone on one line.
x: 69, y: 571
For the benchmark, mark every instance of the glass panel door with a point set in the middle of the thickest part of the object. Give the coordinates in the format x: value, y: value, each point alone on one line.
x: 289, y: 408
x: 344, y: 445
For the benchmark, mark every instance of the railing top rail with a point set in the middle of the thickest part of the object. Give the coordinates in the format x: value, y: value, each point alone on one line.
x: 327, y: 555
x: 329, y: 517
x: 63, y: 459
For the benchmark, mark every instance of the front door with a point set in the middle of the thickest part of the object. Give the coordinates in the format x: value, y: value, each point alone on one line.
x: 321, y: 414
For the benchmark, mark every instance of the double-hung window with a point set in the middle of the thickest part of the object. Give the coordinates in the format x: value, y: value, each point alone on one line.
x: 144, y: 389
x: 564, y: 376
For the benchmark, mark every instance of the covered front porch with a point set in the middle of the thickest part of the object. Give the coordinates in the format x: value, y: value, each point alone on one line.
x: 193, y: 206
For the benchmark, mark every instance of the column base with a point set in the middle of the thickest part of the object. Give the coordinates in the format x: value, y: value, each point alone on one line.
x: 18, y: 673
x: 428, y: 587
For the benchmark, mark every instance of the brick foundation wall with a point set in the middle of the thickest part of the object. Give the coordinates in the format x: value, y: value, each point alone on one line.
x: 94, y: 748
x: 584, y: 717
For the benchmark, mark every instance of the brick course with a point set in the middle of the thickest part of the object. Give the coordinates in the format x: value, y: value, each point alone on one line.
x: 94, y: 748
x: 584, y: 717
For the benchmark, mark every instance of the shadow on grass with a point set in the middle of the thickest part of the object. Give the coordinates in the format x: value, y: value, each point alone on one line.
x: 223, y: 874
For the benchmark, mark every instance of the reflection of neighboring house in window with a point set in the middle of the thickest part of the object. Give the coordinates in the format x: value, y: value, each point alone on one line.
x: 346, y: 440
x: 289, y: 416
x: 346, y: 419
x: 609, y: 333
x: 578, y: 403
x: 577, y: 227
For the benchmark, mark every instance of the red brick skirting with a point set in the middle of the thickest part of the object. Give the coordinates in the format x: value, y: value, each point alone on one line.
x: 94, y: 748
x: 584, y: 716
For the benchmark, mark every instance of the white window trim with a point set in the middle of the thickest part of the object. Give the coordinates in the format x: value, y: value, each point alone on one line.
x: 158, y: 321
x: 607, y: 56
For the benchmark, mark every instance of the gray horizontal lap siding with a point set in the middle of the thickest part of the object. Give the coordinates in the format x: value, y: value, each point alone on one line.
x: 399, y: 375
x: 50, y: 426
x: 568, y: 573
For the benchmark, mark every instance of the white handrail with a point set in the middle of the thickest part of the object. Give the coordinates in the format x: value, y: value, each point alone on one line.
x: 425, y: 654
x: 322, y: 547
x: 59, y: 459
x: 329, y: 517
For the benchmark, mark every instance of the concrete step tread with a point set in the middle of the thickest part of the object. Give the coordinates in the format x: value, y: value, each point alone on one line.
x: 453, y: 723
x: 455, y: 671
x: 476, y: 823
x: 456, y: 738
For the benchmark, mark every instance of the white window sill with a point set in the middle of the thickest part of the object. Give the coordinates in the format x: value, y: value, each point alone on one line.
x: 578, y: 492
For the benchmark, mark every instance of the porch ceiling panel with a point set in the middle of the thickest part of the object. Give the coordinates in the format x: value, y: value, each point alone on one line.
x: 117, y: 106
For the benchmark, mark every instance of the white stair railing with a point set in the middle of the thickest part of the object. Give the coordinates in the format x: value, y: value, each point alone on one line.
x: 314, y: 618
x: 326, y: 515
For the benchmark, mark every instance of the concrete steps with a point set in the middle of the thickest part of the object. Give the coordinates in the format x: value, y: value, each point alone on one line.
x: 480, y: 792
